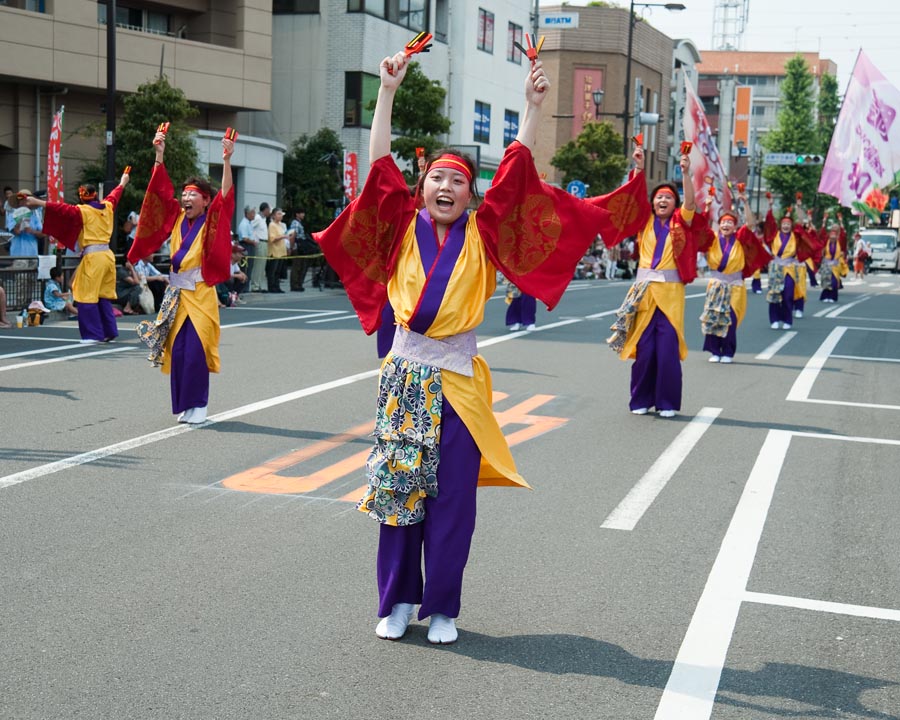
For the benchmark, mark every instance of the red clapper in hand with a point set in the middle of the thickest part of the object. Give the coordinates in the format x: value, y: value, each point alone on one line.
x: 230, y: 134
x: 533, y: 50
x: 163, y: 128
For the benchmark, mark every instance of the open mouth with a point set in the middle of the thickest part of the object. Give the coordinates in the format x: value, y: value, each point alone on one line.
x: 444, y: 203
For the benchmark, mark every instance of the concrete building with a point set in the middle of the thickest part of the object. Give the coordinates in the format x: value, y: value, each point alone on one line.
x: 594, y: 56
x: 54, y: 53
x: 721, y: 73
x: 325, y: 62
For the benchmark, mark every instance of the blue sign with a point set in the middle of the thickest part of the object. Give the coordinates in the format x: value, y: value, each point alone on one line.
x: 576, y: 188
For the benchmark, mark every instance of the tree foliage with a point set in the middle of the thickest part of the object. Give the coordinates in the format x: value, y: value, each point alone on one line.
x: 594, y: 157
x: 795, y: 132
x: 418, y: 117
x: 313, y: 177
x: 152, y: 103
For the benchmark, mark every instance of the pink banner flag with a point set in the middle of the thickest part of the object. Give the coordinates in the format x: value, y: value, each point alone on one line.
x: 706, y: 166
x: 351, y: 175
x: 865, y: 149
x: 54, y: 166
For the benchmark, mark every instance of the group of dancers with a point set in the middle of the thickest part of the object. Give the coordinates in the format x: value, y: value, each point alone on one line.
x: 433, y: 263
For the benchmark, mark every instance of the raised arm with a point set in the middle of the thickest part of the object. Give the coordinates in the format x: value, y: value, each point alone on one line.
x: 392, y: 70
x: 687, y: 183
x: 536, y: 86
x: 227, y: 152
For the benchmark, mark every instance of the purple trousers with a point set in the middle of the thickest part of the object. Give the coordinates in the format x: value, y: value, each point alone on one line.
x: 784, y: 311
x: 756, y: 285
x: 522, y: 310
x: 656, y: 373
x: 723, y: 346
x: 96, y: 321
x: 830, y: 292
x: 189, y: 378
x: 445, y: 534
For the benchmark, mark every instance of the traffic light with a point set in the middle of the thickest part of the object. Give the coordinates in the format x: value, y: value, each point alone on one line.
x: 810, y: 160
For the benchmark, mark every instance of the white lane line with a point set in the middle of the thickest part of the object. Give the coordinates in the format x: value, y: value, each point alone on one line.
x: 807, y: 377
x: 43, y: 351
x: 770, y: 351
x: 37, y: 338
x: 270, y: 321
x: 841, y: 309
x: 866, y: 359
x: 84, y: 458
x: 822, y: 312
x: 641, y: 497
x: 50, y: 361
x: 350, y: 316
x: 864, y: 611
x: 519, y: 333
x: 869, y: 319
x: 691, y: 690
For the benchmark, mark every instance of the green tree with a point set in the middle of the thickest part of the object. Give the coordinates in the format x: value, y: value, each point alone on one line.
x: 313, y: 177
x: 418, y: 117
x: 795, y: 132
x: 594, y: 157
x: 829, y: 107
x: 152, y: 103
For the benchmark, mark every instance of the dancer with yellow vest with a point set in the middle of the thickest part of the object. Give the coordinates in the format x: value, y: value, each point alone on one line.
x: 88, y: 226
x: 184, y: 338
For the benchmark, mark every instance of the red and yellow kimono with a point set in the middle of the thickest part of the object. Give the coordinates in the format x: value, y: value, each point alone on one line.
x: 534, y: 233
x: 89, y: 225
x: 210, y: 251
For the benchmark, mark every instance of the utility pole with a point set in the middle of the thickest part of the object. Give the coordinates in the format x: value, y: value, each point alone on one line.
x: 110, y: 95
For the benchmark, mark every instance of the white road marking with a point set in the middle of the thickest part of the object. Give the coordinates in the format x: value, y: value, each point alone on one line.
x: 841, y: 309
x: 349, y: 316
x: 633, y: 506
x: 804, y: 382
x: 770, y: 351
x: 126, y: 445
x: 864, y: 611
x: 691, y: 690
x: 50, y: 361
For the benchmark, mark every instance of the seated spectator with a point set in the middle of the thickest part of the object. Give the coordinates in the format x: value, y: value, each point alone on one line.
x: 55, y: 298
x: 229, y: 292
x: 128, y: 289
x: 156, y: 281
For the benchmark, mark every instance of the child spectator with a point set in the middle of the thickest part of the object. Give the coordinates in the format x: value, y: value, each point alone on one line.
x: 55, y: 298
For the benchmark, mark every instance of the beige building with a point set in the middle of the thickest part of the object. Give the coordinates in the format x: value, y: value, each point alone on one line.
x: 594, y: 56
x: 54, y: 53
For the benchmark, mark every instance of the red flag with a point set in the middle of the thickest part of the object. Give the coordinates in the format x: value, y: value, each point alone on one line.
x: 54, y: 166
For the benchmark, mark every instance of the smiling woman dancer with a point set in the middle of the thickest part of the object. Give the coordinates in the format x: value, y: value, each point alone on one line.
x: 184, y: 338
x: 436, y: 437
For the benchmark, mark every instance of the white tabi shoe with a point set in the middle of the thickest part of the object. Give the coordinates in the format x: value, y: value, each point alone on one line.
x: 726, y: 360
x: 785, y: 326
x: 531, y: 327
x: 667, y: 413
x: 714, y: 358
x: 196, y: 415
x: 640, y: 411
x: 393, y: 627
x: 514, y: 327
x: 776, y: 325
x: 442, y: 630
x: 183, y: 417
x: 798, y: 313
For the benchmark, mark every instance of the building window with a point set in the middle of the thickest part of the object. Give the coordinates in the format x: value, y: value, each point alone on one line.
x: 510, y: 126
x: 485, y: 30
x: 482, y: 132
x: 412, y: 14
x: 360, y: 92
x: 514, y: 35
x: 295, y: 7
x: 441, y: 20
x: 149, y: 21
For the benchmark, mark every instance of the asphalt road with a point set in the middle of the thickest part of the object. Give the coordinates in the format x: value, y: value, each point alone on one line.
x: 737, y: 561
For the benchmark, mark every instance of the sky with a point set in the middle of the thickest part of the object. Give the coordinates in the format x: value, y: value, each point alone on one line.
x: 836, y: 29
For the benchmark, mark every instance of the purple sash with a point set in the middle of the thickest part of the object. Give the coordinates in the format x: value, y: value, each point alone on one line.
x: 726, y: 246
x: 661, y: 229
x: 832, y: 250
x: 438, y: 263
x: 96, y: 204
x: 189, y: 232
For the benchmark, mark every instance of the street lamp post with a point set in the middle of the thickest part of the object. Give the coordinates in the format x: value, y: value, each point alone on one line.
x: 597, y: 97
x: 632, y: 21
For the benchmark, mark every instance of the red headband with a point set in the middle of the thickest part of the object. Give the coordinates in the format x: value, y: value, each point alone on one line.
x: 83, y: 193
x: 453, y: 162
x: 194, y: 187
x: 664, y: 191
x: 728, y: 214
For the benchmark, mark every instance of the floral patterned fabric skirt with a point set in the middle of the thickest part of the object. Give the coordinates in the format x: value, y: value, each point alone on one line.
x: 402, y: 467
